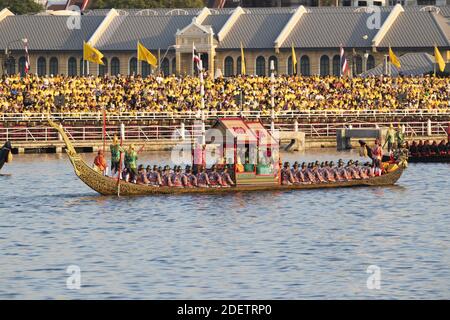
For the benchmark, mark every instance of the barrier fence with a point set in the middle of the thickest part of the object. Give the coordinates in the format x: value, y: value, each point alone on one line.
x: 47, y: 134
x: 211, y: 115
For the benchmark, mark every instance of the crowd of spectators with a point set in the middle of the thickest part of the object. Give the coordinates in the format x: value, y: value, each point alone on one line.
x: 63, y: 94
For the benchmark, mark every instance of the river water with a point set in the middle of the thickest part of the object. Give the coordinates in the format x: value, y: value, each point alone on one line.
x: 272, y: 245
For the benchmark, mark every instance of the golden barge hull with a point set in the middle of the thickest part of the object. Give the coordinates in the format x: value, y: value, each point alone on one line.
x: 109, y: 186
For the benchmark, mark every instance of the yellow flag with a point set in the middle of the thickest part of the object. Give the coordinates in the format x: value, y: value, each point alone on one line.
x: 243, y: 71
x: 393, y: 58
x: 144, y: 54
x: 294, y: 60
x: 448, y: 55
x: 439, y: 60
x: 91, y: 54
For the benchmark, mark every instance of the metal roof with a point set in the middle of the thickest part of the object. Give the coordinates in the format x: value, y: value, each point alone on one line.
x: 216, y: 21
x: 152, y: 31
x: 46, y: 32
x: 255, y: 30
x: 331, y: 29
x: 415, y: 29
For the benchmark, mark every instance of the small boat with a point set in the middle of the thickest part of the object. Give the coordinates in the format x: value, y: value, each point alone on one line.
x: 247, y: 181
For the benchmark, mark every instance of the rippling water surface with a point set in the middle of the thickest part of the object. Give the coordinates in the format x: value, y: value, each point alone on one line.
x: 272, y: 245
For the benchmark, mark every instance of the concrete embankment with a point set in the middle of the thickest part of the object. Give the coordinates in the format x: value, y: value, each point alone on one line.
x: 164, y: 145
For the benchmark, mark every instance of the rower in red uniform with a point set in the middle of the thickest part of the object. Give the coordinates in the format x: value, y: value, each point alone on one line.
x: 165, y: 177
x: 203, y: 179
x: 154, y: 176
x: 328, y: 171
x: 295, y: 170
x: 226, y: 178
x: 361, y: 172
x: 175, y: 177
x: 337, y: 172
x: 352, y: 171
x: 189, y: 180
x: 301, y: 175
x: 142, y: 175
x: 317, y: 173
x: 215, y: 180
x: 286, y: 175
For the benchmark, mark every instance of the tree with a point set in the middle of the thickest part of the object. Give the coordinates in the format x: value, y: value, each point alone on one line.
x: 144, y: 4
x: 21, y: 6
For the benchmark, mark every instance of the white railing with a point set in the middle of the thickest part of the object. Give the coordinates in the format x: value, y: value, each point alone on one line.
x: 45, y: 134
x: 211, y: 114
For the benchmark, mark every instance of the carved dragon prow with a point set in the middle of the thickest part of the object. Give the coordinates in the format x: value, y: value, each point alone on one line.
x: 70, y: 149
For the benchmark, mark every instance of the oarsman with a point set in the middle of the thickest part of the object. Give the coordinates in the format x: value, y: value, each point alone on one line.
x: 154, y: 176
x: 317, y: 173
x: 328, y: 173
x: 310, y: 175
x: 286, y: 175
x: 176, y: 177
x: 131, y: 162
x: 142, y: 175
x: 352, y: 171
x: 337, y: 171
x: 215, y: 180
x: 361, y: 173
x: 148, y: 172
x: 115, y: 149
x: 165, y: 177
x: 189, y: 179
x: 302, y: 175
x: 295, y: 173
x: 226, y: 178
x: 343, y: 172
x: 203, y: 179
x: 125, y: 174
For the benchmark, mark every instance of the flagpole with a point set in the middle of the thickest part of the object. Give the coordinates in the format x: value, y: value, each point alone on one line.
x: 159, y: 61
x: 82, y: 67
x: 192, y: 66
x: 340, y: 62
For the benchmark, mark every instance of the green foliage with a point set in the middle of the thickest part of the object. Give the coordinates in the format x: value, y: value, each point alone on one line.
x: 21, y: 6
x: 144, y: 4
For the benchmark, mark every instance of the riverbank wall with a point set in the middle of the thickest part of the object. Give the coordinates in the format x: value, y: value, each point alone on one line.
x: 169, y: 144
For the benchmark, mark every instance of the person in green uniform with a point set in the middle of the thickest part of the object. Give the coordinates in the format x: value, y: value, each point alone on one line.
x: 390, y: 137
x: 131, y: 158
x: 115, y: 149
x: 400, y: 137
